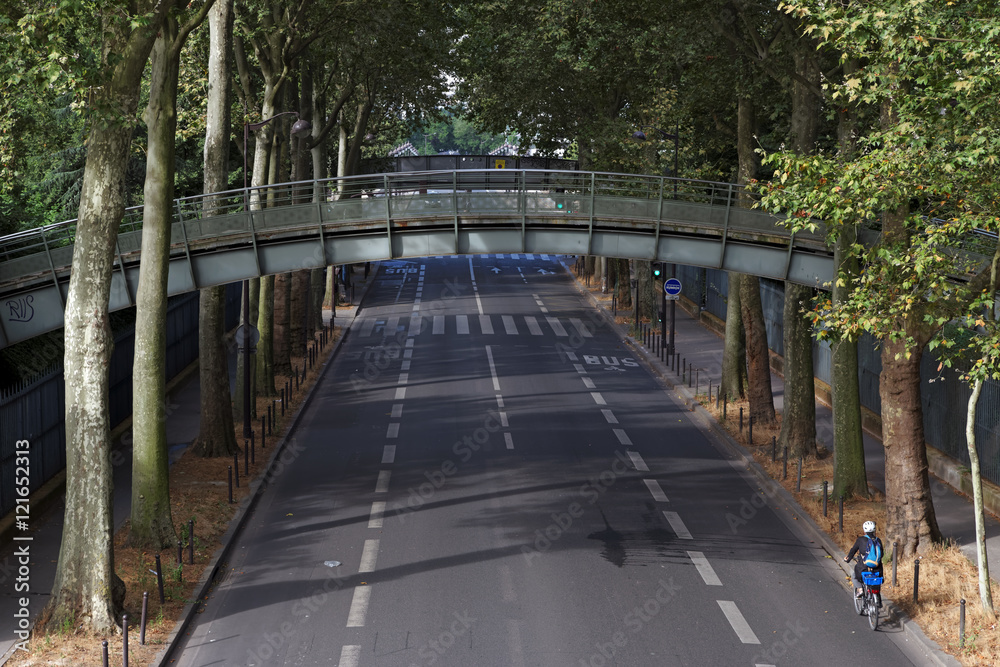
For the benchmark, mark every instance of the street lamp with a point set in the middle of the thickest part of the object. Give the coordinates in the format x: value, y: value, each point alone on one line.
x: 299, y: 127
x: 639, y: 135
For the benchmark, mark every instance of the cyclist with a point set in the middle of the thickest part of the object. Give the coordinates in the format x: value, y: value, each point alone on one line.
x: 861, y: 547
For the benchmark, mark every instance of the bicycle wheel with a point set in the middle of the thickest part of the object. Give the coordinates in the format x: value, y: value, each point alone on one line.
x: 859, y: 603
x: 872, y: 612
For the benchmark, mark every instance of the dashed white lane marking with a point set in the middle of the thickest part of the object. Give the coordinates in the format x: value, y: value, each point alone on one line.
x: 657, y: 491
x: 475, y: 288
x: 350, y: 656
x: 382, y: 483
x: 704, y: 568
x: 416, y: 304
x: 377, y: 514
x: 405, y: 366
x: 403, y: 378
x: 739, y: 623
x: 588, y: 383
x: 359, y: 607
x: 409, y: 342
x: 392, y: 431
x: 677, y: 525
x: 397, y: 411
x: 462, y: 322
x: 493, y: 369
x: 760, y: 664
x: 625, y: 440
x: 408, y: 353
x: 533, y: 327
x: 637, y: 461
x: 438, y: 326
x: 388, y: 453
x: 400, y: 393
x: 609, y: 416
x: 596, y: 395
x: 503, y: 419
x: 581, y: 327
x: 529, y: 256
x: 500, y: 401
x: 508, y: 440
x: 486, y: 324
x: 368, y: 556
x: 556, y: 325
x: 580, y: 369
x: 569, y: 355
x: 508, y: 324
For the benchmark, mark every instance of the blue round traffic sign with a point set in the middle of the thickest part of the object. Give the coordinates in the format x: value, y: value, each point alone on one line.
x: 672, y: 286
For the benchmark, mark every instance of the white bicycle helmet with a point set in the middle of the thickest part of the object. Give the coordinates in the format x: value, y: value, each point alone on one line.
x: 868, y: 527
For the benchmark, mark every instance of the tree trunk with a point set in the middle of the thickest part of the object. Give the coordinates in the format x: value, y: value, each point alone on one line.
x: 265, y: 324
x: 733, y: 351
x: 798, y: 424
x: 282, y: 324
x: 86, y: 589
x: 151, y: 524
x: 316, y: 307
x: 985, y: 591
x: 644, y: 289
x: 297, y: 303
x: 758, y: 358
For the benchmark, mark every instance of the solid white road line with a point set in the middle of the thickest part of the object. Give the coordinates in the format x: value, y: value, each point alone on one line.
x: 397, y: 411
x: 704, y: 568
x: 438, y: 327
x: 350, y: 656
x: 533, y: 327
x: 392, y: 431
x: 610, y: 416
x: 462, y: 322
x: 637, y: 461
x: 556, y: 326
x: 510, y: 328
x: 486, y: 324
x: 359, y: 607
x: 508, y: 440
x: 475, y: 289
x: 388, y: 453
x: 596, y: 395
x: 588, y: 383
x: 657, y: 491
x: 677, y: 525
x: 623, y: 437
x: 377, y: 514
x: 368, y: 556
x: 493, y: 369
x: 739, y: 623
x: 382, y: 483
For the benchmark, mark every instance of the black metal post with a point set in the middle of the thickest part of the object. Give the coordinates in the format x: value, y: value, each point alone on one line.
x: 916, y: 579
x: 784, y: 463
x: 673, y: 302
x: 230, y: 470
x: 104, y: 652
x: 159, y: 578
x: 741, y: 419
x: 263, y: 433
x: 840, y: 512
x: 124, y: 640
x: 961, y: 624
x: 750, y: 431
x: 191, y: 541
x: 825, y: 487
x: 142, y: 619
x: 774, y: 449
x: 895, y: 561
x: 180, y: 552
x: 236, y: 467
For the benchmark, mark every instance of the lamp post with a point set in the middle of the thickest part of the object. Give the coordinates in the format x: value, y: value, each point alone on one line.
x: 298, y: 127
x: 639, y: 135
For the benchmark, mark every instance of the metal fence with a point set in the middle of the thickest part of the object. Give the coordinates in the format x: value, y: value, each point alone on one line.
x: 36, y: 411
x: 945, y: 397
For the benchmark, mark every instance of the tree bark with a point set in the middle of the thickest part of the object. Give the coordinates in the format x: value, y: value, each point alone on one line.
x: 86, y: 590
x: 798, y: 425
x: 265, y: 324
x: 297, y: 303
x: 985, y: 591
x: 733, y: 350
x: 316, y: 307
x: 758, y: 358
x: 282, y: 324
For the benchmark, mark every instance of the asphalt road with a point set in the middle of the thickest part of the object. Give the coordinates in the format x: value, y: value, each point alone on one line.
x: 488, y: 477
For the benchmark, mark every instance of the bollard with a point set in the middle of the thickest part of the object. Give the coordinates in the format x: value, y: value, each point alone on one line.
x: 159, y: 579
x: 718, y: 395
x: 895, y: 548
x: 191, y: 541
x: 750, y: 431
x: 697, y: 381
x: 798, y: 482
x: 230, y: 471
x: 961, y: 624
x: 142, y: 620
x: 677, y: 363
x: 180, y: 552
x: 246, y: 458
x: 840, y: 511
x: 824, y: 503
x: 124, y: 640
x: 784, y: 463
x: 684, y: 368
x: 283, y: 399
x: 741, y: 419
x: 236, y: 467
x: 774, y: 449
x: 263, y: 433
x: 296, y: 378
x: 104, y: 652
x: 916, y: 579
x: 690, y: 374
x: 709, y: 394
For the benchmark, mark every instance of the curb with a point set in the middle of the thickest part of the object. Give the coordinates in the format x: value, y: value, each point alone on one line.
x: 739, y: 455
x: 211, y: 573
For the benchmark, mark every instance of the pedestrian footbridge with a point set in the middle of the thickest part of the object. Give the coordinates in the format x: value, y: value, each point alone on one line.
x: 229, y: 236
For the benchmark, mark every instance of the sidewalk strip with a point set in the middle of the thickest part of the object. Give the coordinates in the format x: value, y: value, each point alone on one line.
x: 610, y: 416
x: 624, y: 439
x: 596, y: 395
x: 382, y: 483
x: 739, y: 623
x: 368, y: 556
x: 637, y: 461
x: 388, y: 453
x: 674, y: 519
x: 359, y: 607
x: 704, y: 568
x: 392, y: 431
x: 654, y: 488
x: 350, y: 656
x: 377, y: 513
